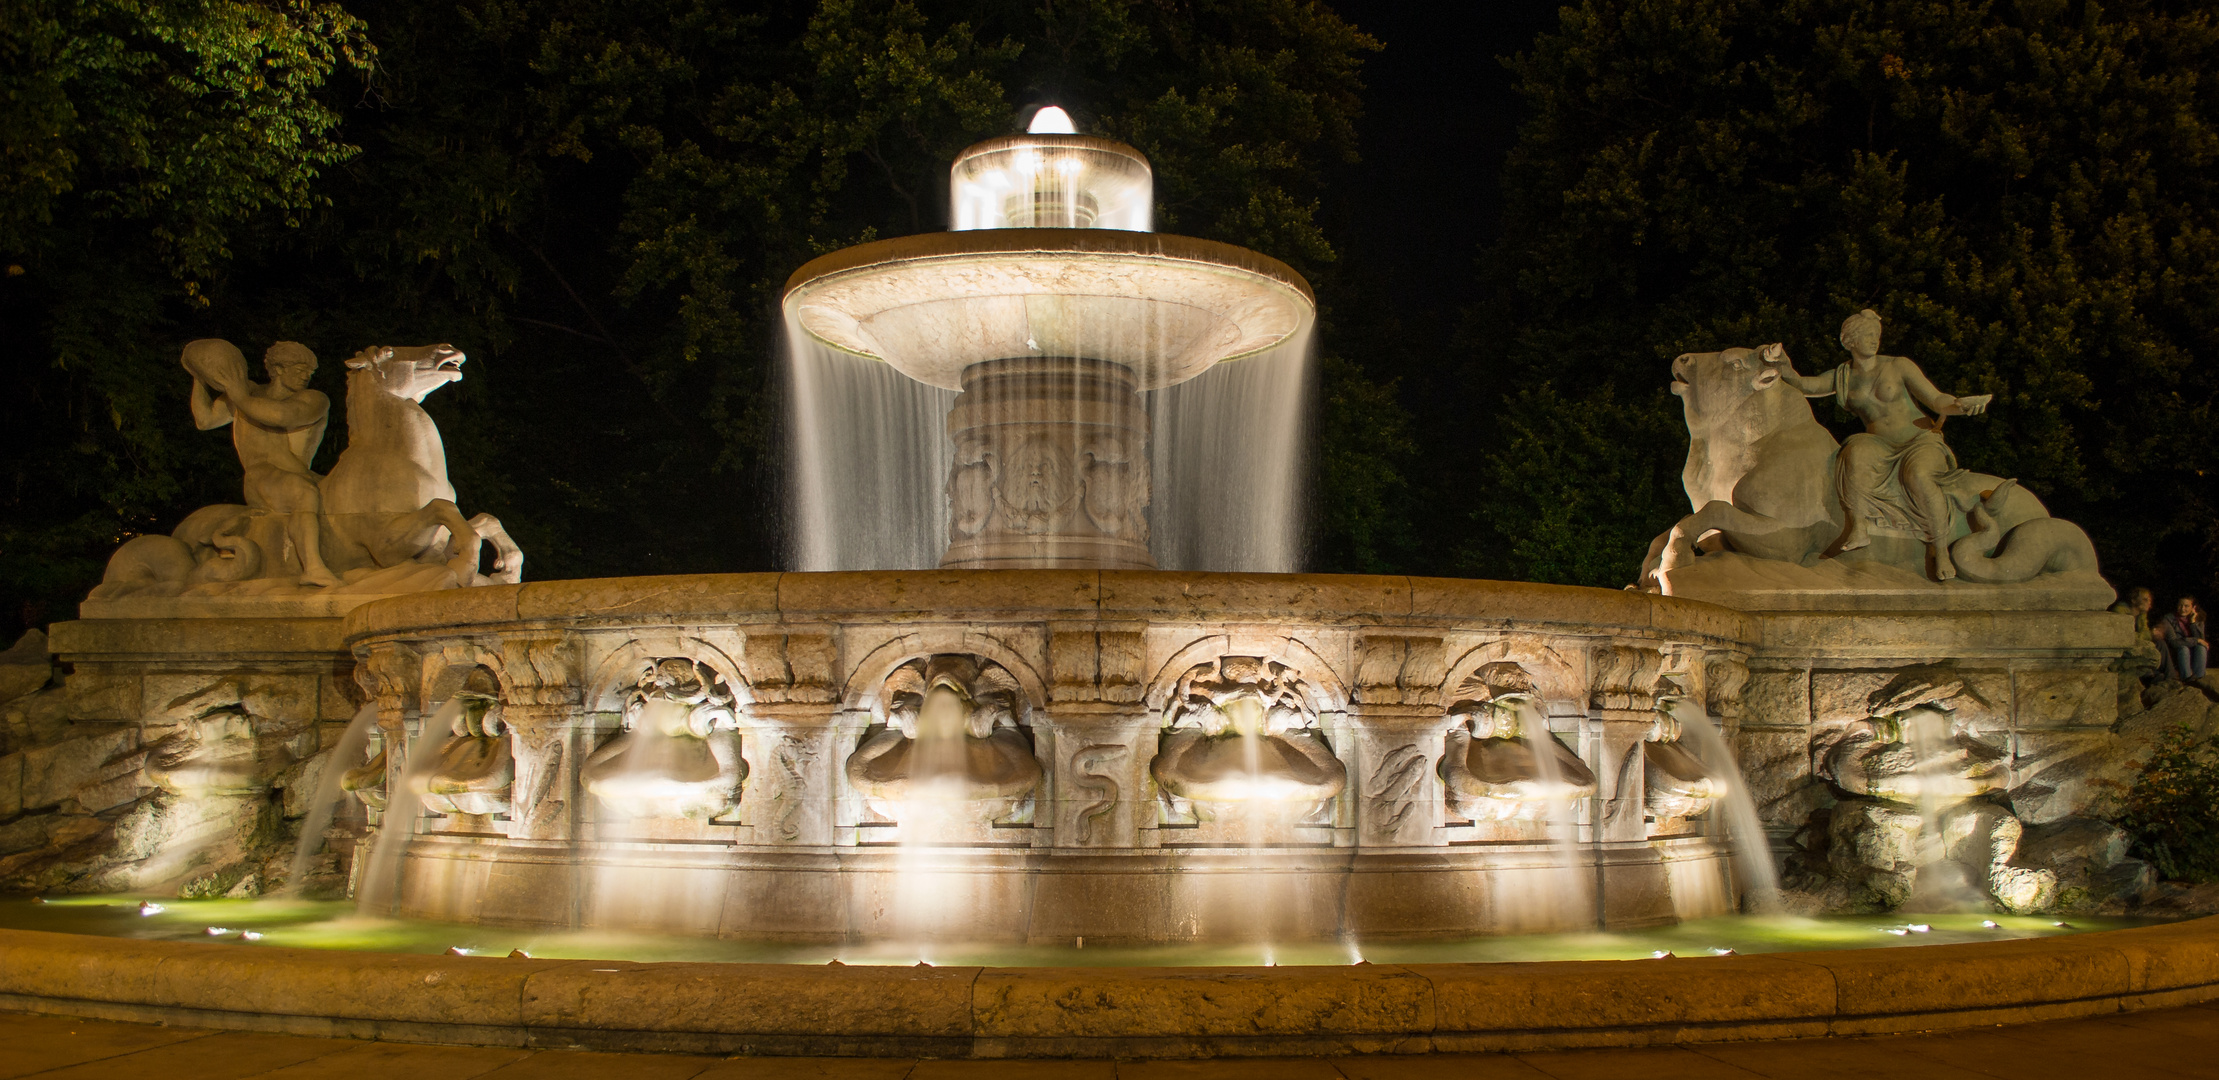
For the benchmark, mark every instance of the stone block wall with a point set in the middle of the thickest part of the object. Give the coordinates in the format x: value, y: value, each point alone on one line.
x: 175, y: 757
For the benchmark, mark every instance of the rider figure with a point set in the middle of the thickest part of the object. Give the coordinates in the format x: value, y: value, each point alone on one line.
x: 276, y: 428
x: 1896, y: 472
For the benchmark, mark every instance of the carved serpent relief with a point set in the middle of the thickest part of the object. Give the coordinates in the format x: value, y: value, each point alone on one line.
x: 1103, y: 788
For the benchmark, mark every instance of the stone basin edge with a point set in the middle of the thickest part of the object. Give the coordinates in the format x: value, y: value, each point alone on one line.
x: 1167, y: 596
x: 971, y: 1012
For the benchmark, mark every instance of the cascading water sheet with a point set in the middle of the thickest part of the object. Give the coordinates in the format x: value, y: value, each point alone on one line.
x: 1229, y: 464
x: 868, y: 460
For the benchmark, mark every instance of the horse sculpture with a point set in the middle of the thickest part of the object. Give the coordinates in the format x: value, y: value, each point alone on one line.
x: 387, y: 500
x: 1760, y: 480
x: 388, y: 520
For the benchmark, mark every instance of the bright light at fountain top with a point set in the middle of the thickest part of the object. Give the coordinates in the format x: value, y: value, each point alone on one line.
x: 1052, y: 121
x: 1051, y: 177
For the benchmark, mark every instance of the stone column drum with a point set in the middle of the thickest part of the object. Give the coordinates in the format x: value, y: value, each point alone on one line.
x: 1051, y: 467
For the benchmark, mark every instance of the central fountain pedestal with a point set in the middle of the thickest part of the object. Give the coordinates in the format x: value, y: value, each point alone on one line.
x: 1051, y: 467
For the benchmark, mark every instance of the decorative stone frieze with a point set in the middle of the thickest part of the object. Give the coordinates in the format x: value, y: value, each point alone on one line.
x: 1103, y: 723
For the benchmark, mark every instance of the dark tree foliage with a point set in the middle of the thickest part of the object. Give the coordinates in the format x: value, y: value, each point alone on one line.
x: 2023, y: 190
x: 2173, y: 808
x: 598, y: 200
x: 137, y: 141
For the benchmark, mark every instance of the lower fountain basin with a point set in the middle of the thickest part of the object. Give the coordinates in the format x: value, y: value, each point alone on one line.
x: 1413, y: 1004
x: 1095, y: 674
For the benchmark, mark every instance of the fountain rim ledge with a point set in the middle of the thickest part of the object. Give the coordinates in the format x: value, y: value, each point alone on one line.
x: 1164, y: 596
x: 922, y: 247
x: 837, y: 300
x: 983, y: 1012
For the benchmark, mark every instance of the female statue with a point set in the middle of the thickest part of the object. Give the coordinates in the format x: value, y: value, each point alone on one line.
x: 1897, y: 472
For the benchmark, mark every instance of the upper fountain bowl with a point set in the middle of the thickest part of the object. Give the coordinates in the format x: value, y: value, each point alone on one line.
x: 1167, y: 307
x: 1052, y: 180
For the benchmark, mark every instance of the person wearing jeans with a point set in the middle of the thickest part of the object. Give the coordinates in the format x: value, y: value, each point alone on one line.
x: 2184, y: 639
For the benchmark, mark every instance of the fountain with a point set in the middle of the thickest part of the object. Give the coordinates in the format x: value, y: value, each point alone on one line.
x: 1067, y: 329
x: 1043, y: 691
x: 1043, y: 737
x: 1043, y: 678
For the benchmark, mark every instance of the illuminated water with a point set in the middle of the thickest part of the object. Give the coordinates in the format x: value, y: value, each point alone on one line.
x: 325, y: 805
x: 869, y: 457
x: 336, y: 925
x: 1760, y: 884
x: 404, y: 810
x: 1571, y: 892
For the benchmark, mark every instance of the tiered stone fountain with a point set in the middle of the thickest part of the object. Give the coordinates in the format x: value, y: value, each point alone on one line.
x: 1048, y: 740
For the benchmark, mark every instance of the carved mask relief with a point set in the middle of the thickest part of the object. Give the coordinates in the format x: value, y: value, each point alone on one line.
x: 1241, y: 731
x: 474, y: 767
x: 679, y: 753
x: 1676, y: 784
x: 1500, y: 762
x: 952, y: 741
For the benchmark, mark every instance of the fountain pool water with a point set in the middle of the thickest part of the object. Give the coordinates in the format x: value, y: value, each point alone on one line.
x: 336, y: 925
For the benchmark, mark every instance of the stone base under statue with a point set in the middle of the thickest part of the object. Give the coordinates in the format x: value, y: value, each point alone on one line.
x: 188, y: 752
x: 1854, y: 583
x: 2031, y: 745
x: 267, y: 598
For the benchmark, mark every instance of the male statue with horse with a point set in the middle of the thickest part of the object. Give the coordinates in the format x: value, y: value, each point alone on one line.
x: 384, y: 520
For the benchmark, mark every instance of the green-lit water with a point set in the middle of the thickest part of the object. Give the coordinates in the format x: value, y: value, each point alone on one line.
x: 335, y: 925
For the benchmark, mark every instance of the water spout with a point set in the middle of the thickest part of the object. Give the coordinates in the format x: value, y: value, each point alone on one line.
x: 325, y: 804
x: 932, y: 901
x: 1744, y: 829
x: 1573, y: 892
x: 404, y: 808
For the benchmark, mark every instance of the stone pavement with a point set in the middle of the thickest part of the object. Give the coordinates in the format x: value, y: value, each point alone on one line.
x: 2158, y: 1044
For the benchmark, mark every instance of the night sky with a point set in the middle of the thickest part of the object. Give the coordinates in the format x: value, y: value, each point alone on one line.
x: 1439, y: 116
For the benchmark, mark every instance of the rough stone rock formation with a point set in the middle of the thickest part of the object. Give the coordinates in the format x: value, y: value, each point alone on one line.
x: 1955, y: 819
x: 202, y: 796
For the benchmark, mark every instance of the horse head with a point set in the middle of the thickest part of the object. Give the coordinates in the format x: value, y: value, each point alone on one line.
x: 408, y: 371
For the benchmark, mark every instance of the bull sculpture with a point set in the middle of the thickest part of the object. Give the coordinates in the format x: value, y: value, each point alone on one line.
x: 1762, y: 478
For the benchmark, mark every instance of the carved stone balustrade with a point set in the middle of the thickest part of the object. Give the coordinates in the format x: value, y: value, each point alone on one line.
x: 1117, y: 736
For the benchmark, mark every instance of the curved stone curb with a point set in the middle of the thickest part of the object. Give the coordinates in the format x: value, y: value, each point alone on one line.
x: 1107, y: 1012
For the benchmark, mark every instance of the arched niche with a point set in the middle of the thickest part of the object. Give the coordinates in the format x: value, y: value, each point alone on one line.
x: 1321, y: 684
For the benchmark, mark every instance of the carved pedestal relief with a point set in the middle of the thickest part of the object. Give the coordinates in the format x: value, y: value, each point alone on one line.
x: 1051, y: 467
